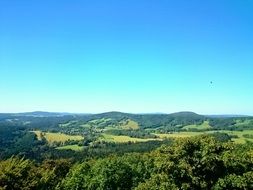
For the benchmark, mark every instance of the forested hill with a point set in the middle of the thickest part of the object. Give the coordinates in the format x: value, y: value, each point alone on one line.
x: 178, y: 120
x: 113, y: 114
x: 47, y: 120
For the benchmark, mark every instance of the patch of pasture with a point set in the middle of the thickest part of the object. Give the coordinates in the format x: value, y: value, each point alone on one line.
x: 204, y: 125
x: 240, y: 139
x: 70, y: 147
x: 129, y: 125
x: 57, y: 137
x: 123, y: 139
x: 177, y: 134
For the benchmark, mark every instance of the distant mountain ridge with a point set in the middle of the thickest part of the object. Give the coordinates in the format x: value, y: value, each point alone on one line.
x: 41, y: 114
x: 163, y: 122
x: 227, y: 116
x: 122, y: 114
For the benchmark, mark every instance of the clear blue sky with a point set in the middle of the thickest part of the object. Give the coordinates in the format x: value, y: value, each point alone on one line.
x: 130, y: 56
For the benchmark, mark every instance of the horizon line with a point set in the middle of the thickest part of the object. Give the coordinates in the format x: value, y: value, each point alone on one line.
x: 93, y: 113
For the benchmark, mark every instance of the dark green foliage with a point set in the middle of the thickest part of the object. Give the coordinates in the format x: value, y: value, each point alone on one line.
x: 52, y: 172
x: 16, y: 173
x: 222, y: 137
x: 233, y: 181
x: 200, y: 163
x: 249, y: 136
x: 18, y: 141
x: 194, y: 163
x: 111, y: 173
x: 168, y: 121
x: 103, y: 149
x: 222, y: 123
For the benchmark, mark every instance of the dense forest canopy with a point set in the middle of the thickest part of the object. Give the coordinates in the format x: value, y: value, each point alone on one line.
x: 193, y: 163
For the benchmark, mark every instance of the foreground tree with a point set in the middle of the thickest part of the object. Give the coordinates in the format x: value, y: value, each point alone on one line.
x: 194, y: 163
x: 15, y: 174
x: 20, y: 173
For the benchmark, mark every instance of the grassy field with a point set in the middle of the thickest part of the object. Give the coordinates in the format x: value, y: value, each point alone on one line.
x: 240, y: 134
x: 129, y: 124
x: 204, y: 125
x: 70, y: 147
x: 122, y: 139
x: 56, y: 137
x: 178, y: 135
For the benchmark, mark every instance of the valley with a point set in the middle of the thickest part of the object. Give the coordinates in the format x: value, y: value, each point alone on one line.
x: 127, y: 151
x: 79, y: 131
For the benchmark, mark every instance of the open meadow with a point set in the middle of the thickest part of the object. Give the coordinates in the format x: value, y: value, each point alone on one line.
x: 57, y: 137
x: 74, y: 147
x: 237, y: 136
x: 122, y: 139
